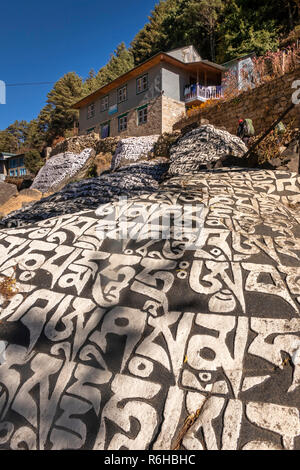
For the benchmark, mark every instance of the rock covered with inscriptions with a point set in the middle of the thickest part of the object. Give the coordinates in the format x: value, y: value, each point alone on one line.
x: 132, y: 149
x: 131, y: 180
x: 202, y: 146
x: 60, y: 169
x: 114, y: 342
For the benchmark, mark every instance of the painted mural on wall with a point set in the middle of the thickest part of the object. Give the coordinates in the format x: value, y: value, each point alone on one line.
x: 149, y: 332
x: 243, y: 70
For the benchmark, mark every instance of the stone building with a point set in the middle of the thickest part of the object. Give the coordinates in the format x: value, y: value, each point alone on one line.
x: 150, y: 98
x: 11, y: 165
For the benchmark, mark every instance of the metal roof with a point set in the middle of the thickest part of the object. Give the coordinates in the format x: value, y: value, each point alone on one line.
x: 141, y: 68
x: 6, y: 155
x: 239, y: 58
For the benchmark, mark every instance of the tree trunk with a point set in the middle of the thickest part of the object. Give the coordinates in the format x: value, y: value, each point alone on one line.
x: 291, y: 19
x: 212, y: 44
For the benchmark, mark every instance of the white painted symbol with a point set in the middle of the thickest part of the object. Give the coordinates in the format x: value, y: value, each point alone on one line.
x: 296, y: 354
x: 124, y: 220
x: 3, y: 345
x: 296, y: 94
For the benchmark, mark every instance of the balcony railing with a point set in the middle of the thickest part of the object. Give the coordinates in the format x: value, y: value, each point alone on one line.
x: 202, y: 93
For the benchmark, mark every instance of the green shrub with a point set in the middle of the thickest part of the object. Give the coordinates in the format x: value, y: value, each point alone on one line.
x: 33, y: 161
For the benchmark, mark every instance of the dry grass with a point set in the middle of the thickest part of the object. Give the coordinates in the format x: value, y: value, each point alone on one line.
x: 8, y: 286
x: 190, y: 420
x: 17, y: 201
x: 269, y: 148
x: 195, y: 109
x: 102, y: 162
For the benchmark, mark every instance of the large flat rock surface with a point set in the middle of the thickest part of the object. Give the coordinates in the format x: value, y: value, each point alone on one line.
x: 112, y: 344
x: 60, y: 169
x: 133, y: 179
x: 7, y: 191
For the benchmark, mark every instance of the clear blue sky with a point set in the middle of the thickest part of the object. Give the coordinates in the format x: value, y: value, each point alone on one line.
x: 41, y: 41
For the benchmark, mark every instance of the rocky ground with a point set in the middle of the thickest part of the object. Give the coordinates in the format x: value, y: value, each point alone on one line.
x: 20, y: 200
x: 124, y: 320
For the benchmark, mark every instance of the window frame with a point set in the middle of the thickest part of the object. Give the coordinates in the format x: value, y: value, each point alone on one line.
x: 12, y: 163
x: 90, y: 130
x: 107, y: 123
x: 147, y: 86
x: 102, y: 108
x: 126, y: 97
x: 139, y: 110
x: 91, y: 114
x: 119, y: 122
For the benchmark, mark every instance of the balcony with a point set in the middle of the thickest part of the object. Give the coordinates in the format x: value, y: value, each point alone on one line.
x: 195, y: 94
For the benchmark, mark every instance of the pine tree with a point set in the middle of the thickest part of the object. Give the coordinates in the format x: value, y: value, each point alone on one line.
x: 121, y: 61
x: 33, y: 161
x: 58, y: 115
x: 199, y: 21
x: 89, y: 84
x: 19, y: 130
x: 64, y: 94
x: 248, y: 26
x: 21, y: 136
x: 8, y: 142
x: 209, y: 12
x: 44, y: 119
x: 35, y: 139
x: 154, y: 37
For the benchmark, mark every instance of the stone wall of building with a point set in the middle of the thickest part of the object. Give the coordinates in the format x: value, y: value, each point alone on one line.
x: 172, y: 110
x: 152, y: 127
x: 263, y: 105
x: 163, y: 113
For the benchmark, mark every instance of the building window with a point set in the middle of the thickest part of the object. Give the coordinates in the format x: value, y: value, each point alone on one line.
x: 142, y: 115
x: 122, y: 94
x: 89, y: 131
x: 13, y: 172
x: 142, y: 84
x: 91, y: 111
x: 105, y: 130
x: 22, y: 171
x: 104, y: 103
x: 15, y: 162
x: 123, y: 123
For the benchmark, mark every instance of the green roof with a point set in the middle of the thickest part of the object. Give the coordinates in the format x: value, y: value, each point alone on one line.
x: 7, y: 154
